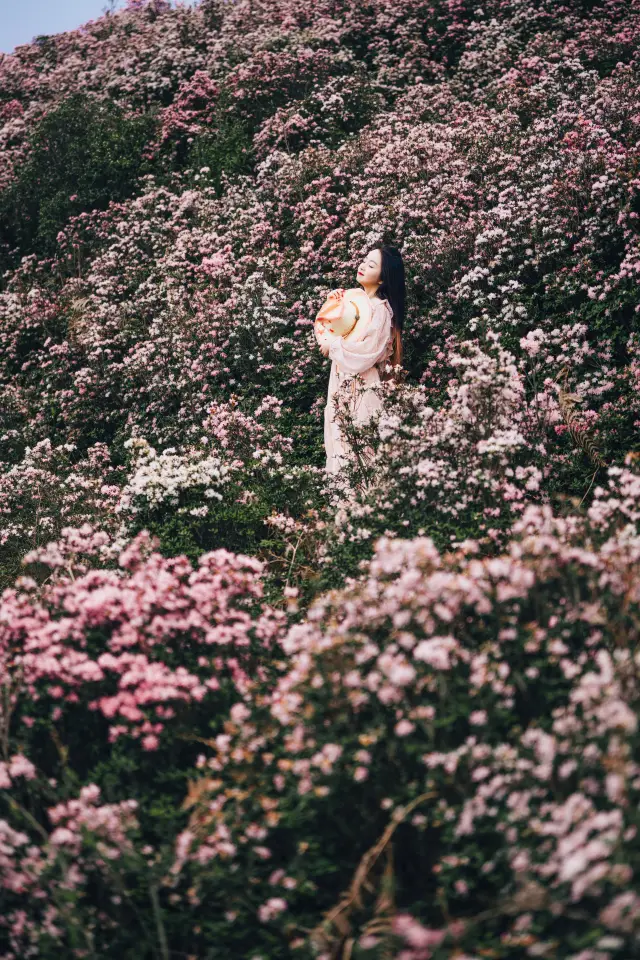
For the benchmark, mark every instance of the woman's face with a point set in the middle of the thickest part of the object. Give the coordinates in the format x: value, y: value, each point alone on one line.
x: 369, y: 269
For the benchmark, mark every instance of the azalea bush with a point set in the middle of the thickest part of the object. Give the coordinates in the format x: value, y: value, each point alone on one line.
x: 250, y: 708
x: 111, y: 671
x: 477, y: 718
x: 82, y: 156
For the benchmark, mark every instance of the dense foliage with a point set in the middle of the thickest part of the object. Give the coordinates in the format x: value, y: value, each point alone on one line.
x: 248, y: 709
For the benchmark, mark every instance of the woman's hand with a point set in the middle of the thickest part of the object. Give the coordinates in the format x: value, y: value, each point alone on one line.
x: 334, y: 295
x: 323, y: 337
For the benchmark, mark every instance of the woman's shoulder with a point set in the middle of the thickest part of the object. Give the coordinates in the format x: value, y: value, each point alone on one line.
x: 377, y: 304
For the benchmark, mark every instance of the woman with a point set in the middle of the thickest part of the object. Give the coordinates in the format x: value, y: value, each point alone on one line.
x: 381, y: 275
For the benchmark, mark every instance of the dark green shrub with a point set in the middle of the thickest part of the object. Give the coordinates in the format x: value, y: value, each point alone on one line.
x: 84, y: 154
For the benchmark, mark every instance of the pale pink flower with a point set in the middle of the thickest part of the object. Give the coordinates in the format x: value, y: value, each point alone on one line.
x: 404, y: 727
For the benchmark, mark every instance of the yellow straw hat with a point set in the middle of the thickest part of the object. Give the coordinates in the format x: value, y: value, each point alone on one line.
x: 349, y: 316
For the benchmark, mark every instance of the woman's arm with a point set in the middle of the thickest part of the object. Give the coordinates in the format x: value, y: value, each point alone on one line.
x: 359, y: 355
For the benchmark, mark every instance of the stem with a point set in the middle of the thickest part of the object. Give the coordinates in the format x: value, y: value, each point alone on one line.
x: 5, y: 717
x: 164, y: 948
x: 295, y: 549
x: 29, y: 817
x: 590, y: 485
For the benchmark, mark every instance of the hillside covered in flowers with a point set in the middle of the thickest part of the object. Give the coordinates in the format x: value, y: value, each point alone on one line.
x: 249, y: 709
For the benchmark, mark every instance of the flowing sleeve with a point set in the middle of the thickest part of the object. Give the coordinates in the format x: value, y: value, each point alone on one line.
x: 359, y: 355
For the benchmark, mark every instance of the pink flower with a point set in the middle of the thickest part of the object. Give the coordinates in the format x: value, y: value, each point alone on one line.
x: 401, y: 674
x: 239, y: 712
x: 478, y: 717
x: 90, y: 793
x: 19, y: 766
x: 415, y: 934
x: 62, y: 836
x: 272, y: 908
x: 404, y: 727
x: 436, y: 651
x: 332, y: 751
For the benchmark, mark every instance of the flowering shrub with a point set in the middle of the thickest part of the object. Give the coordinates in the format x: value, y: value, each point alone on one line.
x: 469, y: 465
x: 223, y: 489
x: 96, y: 603
x: 82, y: 155
x: 46, y: 491
x: 132, y: 661
x: 494, y: 701
x: 416, y: 734
x: 159, y: 479
x: 340, y: 106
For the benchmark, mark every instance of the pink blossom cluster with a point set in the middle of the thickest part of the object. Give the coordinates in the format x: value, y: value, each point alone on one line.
x: 151, y: 615
x: 373, y: 673
x: 113, y: 821
x: 51, y: 487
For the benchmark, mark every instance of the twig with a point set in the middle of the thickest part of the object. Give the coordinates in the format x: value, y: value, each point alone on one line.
x: 590, y: 485
x: 157, y: 913
x: 335, y: 916
x: 295, y: 550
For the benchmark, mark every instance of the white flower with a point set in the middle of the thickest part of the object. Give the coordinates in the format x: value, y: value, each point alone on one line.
x: 157, y: 479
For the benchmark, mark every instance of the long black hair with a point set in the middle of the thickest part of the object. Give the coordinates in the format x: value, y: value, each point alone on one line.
x: 393, y: 288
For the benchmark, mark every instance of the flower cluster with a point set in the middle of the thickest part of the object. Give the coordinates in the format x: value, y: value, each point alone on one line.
x: 401, y: 701
x: 479, y: 454
x: 387, y: 692
x: 159, y: 478
x: 167, y: 633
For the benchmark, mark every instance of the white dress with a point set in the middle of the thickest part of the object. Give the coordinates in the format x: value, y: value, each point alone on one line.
x: 349, y: 357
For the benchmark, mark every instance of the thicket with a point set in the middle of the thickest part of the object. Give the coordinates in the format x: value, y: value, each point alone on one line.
x: 251, y: 710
